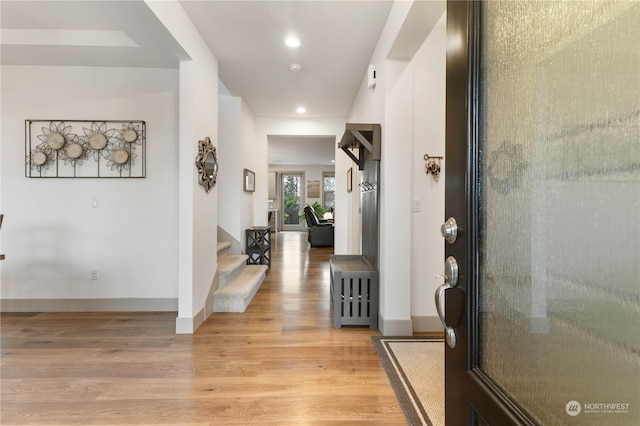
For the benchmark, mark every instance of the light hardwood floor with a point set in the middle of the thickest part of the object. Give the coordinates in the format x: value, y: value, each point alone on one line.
x: 279, y: 363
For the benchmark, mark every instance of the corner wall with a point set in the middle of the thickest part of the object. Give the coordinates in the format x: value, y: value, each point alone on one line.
x: 198, y: 209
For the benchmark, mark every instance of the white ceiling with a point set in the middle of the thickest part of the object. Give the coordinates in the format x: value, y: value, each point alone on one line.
x: 337, y: 42
x: 85, y: 33
x: 301, y: 150
x: 247, y: 37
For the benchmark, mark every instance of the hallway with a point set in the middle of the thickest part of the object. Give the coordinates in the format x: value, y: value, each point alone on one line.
x: 281, y: 362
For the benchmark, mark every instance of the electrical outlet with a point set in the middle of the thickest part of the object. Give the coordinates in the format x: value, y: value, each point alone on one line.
x: 94, y: 274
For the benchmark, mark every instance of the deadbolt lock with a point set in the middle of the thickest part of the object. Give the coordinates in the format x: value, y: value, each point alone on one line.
x: 449, y: 230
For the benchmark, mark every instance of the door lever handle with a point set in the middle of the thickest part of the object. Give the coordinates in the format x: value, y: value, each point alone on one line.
x: 449, y: 331
x: 450, y: 280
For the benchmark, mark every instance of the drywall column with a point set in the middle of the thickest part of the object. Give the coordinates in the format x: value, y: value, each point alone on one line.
x: 198, y: 216
x: 427, y: 246
x: 395, y: 204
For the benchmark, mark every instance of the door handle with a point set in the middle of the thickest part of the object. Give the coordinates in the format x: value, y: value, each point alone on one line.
x: 450, y: 280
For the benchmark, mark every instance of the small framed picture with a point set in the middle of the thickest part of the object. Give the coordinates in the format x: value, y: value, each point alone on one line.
x: 313, y: 189
x: 249, y: 181
x: 349, y: 179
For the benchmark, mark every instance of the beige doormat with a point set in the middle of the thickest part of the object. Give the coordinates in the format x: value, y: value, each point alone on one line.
x: 415, y: 367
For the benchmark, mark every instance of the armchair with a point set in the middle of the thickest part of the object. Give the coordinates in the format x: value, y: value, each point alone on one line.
x: 320, y: 234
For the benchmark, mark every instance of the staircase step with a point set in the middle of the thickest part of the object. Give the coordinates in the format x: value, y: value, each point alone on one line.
x: 223, y: 248
x: 237, y: 295
x: 229, y: 267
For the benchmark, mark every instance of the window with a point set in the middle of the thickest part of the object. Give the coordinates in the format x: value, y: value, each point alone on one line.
x: 328, y: 190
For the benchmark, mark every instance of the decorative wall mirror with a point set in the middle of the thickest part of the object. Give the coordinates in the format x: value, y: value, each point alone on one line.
x: 207, y: 164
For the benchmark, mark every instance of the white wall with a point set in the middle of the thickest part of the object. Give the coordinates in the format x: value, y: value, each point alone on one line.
x: 230, y: 166
x: 236, y: 209
x: 252, y: 155
x: 52, y: 235
x: 427, y: 245
x: 408, y: 101
x: 395, y: 200
x: 369, y: 106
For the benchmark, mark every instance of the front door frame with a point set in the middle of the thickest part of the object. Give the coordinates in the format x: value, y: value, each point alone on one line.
x: 470, y: 396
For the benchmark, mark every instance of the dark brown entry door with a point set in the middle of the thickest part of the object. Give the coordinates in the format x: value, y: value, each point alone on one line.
x: 542, y: 300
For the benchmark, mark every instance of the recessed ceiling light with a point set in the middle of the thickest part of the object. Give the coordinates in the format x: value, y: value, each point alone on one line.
x: 292, y: 41
x: 301, y: 110
x: 295, y: 68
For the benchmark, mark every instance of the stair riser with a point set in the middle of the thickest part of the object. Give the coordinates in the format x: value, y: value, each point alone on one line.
x: 229, y: 267
x: 229, y: 304
x: 223, y: 249
x: 225, y: 280
x: 240, y: 291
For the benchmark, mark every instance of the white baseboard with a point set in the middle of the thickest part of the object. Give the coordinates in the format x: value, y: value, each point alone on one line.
x: 188, y: 325
x: 423, y: 324
x: 90, y: 305
x: 395, y: 327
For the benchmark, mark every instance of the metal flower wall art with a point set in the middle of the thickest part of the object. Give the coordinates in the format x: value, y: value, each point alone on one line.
x: 74, y: 148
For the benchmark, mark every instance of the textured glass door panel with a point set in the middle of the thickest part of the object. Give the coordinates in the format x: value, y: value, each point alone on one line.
x: 559, y: 243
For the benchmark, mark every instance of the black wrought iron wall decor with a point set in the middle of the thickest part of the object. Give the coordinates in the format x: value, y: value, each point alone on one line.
x: 85, y: 148
x: 207, y: 164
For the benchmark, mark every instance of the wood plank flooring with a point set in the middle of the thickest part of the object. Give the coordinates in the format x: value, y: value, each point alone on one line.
x: 279, y: 363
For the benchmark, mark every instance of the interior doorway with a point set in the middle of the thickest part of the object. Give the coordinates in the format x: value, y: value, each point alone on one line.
x: 292, y: 199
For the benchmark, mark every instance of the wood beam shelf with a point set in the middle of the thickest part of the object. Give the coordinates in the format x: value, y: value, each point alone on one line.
x: 361, y: 137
